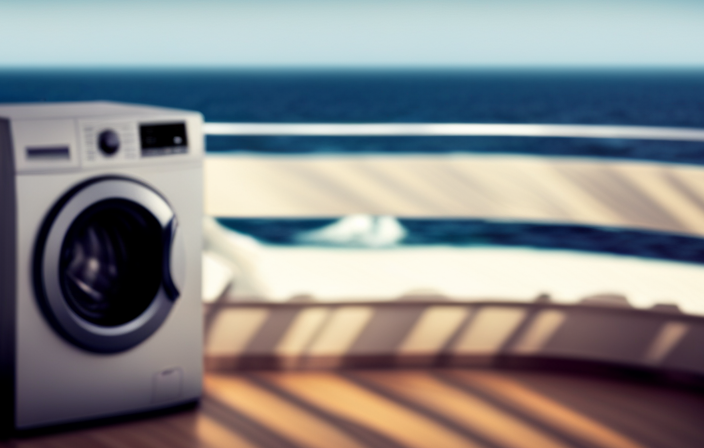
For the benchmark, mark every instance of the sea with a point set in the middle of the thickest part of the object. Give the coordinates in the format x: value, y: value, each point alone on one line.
x: 670, y: 98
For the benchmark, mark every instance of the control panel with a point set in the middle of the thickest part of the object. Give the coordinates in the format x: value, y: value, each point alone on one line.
x: 100, y: 135
x: 109, y: 141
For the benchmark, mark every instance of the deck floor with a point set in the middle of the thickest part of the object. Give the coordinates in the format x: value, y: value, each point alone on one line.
x: 411, y: 408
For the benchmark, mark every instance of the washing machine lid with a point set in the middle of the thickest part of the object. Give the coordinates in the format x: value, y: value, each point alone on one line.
x: 104, y: 264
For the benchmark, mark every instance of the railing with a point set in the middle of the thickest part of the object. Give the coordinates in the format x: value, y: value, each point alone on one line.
x: 456, y: 129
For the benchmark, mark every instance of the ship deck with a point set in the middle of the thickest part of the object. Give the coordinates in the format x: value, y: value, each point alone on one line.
x: 493, y: 408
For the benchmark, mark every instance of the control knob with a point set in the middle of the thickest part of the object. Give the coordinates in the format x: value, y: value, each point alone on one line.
x: 108, y: 142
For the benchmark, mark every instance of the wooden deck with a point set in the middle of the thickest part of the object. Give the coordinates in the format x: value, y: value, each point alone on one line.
x: 411, y: 408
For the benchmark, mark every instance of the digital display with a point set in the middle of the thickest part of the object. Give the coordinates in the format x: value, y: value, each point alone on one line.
x: 163, y: 138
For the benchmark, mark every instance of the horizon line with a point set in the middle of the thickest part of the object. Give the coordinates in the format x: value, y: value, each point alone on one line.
x: 361, y: 67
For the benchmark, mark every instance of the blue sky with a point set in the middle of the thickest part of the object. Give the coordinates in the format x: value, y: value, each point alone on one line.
x: 339, y: 33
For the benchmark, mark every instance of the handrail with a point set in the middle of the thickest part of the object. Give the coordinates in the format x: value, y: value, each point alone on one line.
x: 455, y: 129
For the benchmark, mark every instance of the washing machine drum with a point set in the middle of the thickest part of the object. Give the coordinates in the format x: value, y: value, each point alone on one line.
x: 108, y: 264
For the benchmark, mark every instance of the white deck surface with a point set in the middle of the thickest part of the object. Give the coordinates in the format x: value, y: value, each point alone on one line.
x: 330, y: 274
x: 624, y: 194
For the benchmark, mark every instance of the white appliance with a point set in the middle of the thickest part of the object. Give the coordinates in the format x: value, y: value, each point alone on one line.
x: 100, y: 261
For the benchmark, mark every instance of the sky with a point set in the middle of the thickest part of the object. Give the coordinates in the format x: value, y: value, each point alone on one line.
x: 343, y: 33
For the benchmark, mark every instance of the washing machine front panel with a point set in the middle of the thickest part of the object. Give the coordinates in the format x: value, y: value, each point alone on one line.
x: 101, y: 191
x: 103, y: 262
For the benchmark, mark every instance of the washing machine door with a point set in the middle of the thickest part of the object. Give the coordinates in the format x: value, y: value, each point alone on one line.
x: 108, y: 264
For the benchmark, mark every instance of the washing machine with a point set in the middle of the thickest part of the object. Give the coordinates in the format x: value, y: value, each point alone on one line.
x: 100, y: 276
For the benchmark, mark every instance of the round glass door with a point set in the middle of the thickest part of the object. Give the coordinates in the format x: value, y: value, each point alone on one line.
x: 103, y: 264
x: 110, y: 262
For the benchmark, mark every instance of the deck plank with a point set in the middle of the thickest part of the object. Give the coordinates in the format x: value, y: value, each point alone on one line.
x: 409, y: 408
